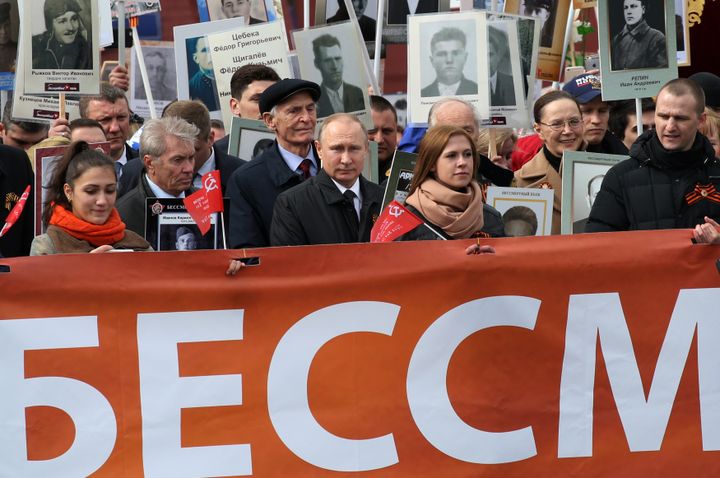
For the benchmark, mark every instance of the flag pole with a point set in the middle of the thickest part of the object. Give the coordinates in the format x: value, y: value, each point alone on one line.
x: 143, y: 69
x: 222, y: 225
x: 121, y: 31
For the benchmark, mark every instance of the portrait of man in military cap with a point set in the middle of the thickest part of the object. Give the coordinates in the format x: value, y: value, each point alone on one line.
x: 66, y: 43
x: 545, y: 11
x: 8, y: 37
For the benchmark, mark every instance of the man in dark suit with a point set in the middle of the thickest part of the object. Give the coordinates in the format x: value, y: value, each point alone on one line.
x: 367, y: 24
x: 288, y: 109
x: 337, y: 95
x: 15, y: 175
x: 448, y: 57
x: 398, y: 10
x: 338, y: 205
x: 207, y: 157
x: 167, y: 146
x: 502, y: 88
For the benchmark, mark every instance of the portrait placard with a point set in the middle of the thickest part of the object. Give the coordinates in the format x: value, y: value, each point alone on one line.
x: 253, y: 11
x: 248, y: 138
x: 637, y: 47
x: 399, y: 102
x: 136, y: 7
x: 160, y: 65
x: 193, y: 60
x: 396, y: 15
x: 63, y: 54
x: 331, y: 56
x: 169, y: 227
x: 335, y: 11
x: 583, y: 174
x: 45, y: 160
x: 553, y: 16
x: 507, y: 81
x: 107, y: 68
x: 262, y: 43
x: 481, y: 5
x: 401, y: 174
x: 682, y: 33
x: 447, y: 56
x: 9, y: 31
x: 525, y: 211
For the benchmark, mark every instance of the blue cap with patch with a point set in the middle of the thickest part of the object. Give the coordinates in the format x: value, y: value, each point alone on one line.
x: 584, y: 88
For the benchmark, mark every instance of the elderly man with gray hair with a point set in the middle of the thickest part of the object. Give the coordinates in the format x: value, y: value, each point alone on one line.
x: 167, y: 149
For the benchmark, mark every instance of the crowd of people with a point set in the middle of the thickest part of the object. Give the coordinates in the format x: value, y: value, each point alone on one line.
x: 308, y: 188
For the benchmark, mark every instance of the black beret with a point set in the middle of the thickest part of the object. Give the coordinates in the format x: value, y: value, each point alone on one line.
x: 284, y: 89
x: 710, y: 85
x: 4, y: 12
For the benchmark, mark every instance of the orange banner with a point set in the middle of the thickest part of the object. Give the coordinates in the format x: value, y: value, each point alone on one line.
x: 591, y: 355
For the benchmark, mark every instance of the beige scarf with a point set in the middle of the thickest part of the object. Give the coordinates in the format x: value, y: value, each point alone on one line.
x: 458, y: 213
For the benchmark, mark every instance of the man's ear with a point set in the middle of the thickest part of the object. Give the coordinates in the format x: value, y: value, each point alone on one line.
x: 235, y: 106
x: 147, y: 161
x: 2, y: 130
x: 211, y: 137
x: 269, y: 120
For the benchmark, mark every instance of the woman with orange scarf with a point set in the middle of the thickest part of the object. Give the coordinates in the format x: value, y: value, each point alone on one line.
x: 443, y: 192
x: 80, y: 212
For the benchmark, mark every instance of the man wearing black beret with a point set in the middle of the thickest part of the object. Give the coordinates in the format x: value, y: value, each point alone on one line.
x: 288, y: 108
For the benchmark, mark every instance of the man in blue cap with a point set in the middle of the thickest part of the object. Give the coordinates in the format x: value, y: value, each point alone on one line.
x: 585, y: 89
x: 288, y: 108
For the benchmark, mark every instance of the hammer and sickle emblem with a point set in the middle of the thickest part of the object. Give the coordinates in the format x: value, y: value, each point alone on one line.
x: 395, y: 211
x: 210, y: 184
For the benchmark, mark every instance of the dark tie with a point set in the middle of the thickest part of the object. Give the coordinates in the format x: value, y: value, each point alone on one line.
x: 352, y: 212
x: 118, y: 167
x: 305, y: 168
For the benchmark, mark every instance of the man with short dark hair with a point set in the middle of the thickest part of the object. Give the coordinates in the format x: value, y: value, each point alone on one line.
x: 202, y: 85
x: 20, y: 134
x: 84, y: 129
x: 288, y: 109
x: 672, y: 178
x: 384, y: 132
x: 167, y: 146
x: 448, y: 57
x: 207, y: 157
x: 338, y: 205
x: 623, y: 121
x: 710, y: 84
x: 502, y: 87
x: 585, y: 89
x: 337, y: 95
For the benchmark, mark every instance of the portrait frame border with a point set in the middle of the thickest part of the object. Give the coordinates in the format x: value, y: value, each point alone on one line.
x: 505, y: 194
x: 237, y: 126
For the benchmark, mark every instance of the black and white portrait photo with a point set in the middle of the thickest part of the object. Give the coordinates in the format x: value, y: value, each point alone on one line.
x: 201, y: 78
x: 593, y: 188
x: 502, y: 85
x: 337, y: 94
x: 398, y: 10
x: 253, y: 143
x: 453, y: 60
x: 64, y: 36
x: 545, y: 11
x: 253, y: 11
x: 637, y: 30
x: 9, y: 29
x: 365, y: 11
x: 160, y: 67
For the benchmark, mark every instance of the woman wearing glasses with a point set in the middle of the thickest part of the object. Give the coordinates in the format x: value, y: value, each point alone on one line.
x: 559, y: 124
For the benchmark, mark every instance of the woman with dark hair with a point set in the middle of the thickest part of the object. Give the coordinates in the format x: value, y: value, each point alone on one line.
x: 64, y: 44
x: 444, y: 193
x: 80, y: 213
x: 558, y: 122
x: 637, y: 45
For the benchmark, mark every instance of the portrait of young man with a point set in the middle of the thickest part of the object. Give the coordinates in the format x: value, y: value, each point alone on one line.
x: 449, y: 58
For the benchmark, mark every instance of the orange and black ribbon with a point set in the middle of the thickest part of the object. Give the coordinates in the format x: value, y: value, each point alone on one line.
x: 702, y: 191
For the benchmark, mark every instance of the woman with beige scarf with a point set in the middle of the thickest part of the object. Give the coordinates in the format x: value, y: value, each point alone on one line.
x: 443, y: 192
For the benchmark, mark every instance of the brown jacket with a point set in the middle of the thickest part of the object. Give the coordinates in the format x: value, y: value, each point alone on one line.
x: 538, y: 173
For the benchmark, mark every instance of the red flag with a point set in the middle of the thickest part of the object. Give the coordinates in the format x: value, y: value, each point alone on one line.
x: 203, y: 203
x: 394, y: 221
x: 16, y: 211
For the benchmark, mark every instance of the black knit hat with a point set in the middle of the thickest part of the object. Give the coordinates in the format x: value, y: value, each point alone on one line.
x: 710, y: 85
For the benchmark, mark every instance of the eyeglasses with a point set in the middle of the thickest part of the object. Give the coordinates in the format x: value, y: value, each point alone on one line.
x: 574, y: 123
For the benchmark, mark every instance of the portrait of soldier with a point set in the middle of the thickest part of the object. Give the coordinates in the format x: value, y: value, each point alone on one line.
x: 636, y: 45
x: 202, y: 85
x: 239, y: 8
x: 185, y: 239
x: 543, y: 10
x: 66, y: 43
x: 337, y: 96
x: 502, y: 88
x: 448, y: 56
x: 8, y: 46
x: 163, y: 88
x: 367, y: 24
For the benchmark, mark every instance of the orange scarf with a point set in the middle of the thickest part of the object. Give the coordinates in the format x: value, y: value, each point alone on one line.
x: 98, y: 235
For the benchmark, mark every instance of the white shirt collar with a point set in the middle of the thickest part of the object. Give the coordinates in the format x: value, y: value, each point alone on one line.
x: 208, y: 166
x: 123, y: 158
x: 354, y: 188
x: 448, y: 90
x: 293, y: 160
x: 159, y: 192
x: 493, y: 82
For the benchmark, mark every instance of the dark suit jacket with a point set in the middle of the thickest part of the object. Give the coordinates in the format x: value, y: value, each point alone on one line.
x: 314, y: 212
x: 253, y: 189
x: 367, y: 24
x: 227, y: 165
x: 132, y: 206
x: 467, y: 87
x: 504, y: 94
x: 398, y: 10
x: 15, y: 175
x: 352, y: 101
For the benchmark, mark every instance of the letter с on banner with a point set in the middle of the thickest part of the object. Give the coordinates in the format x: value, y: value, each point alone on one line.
x: 600, y: 365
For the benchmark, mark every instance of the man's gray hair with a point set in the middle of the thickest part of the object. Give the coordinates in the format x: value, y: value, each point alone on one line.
x: 152, y: 139
x: 342, y: 116
x: 432, y: 116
